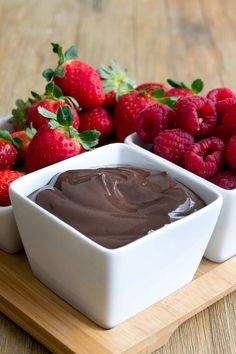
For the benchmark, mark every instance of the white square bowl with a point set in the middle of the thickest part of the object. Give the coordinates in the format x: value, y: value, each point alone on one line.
x: 222, y: 245
x: 111, y: 285
x: 9, y: 236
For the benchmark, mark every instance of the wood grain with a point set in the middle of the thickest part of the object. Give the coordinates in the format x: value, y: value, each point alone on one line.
x: 154, y: 39
x: 62, y: 329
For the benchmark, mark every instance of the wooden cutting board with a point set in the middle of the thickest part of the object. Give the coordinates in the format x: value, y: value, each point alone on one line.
x: 62, y: 329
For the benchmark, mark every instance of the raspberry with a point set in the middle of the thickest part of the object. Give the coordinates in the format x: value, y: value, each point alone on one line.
x: 220, y: 131
x: 220, y: 94
x: 225, y: 106
x: 224, y: 179
x: 231, y: 152
x: 153, y: 120
x: 205, y: 157
x: 172, y: 144
x: 229, y: 122
x: 196, y: 115
x: 179, y: 92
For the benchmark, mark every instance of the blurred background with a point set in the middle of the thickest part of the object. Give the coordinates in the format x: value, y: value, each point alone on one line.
x: 153, y: 39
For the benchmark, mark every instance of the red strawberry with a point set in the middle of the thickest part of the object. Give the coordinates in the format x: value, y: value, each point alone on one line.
x: 36, y: 120
x: 126, y: 112
x: 76, y: 78
x: 26, y: 114
x: 24, y: 137
x: 6, y: 178
x: 149, y: 87
x: 97, y: 119
x: 182, y: 90
x: 179, y: 92
x: 8, y: 150
x: 115, y: 82
x: 57, y: 141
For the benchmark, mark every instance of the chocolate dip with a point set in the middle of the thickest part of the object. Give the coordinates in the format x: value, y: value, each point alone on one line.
x: 115, y: 206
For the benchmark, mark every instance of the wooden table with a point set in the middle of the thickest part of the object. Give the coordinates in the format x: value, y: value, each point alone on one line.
x: 154, y: 39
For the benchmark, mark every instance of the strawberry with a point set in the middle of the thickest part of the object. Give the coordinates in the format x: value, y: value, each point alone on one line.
x: 8, y: 150
x: 115, y: 82
x: 76, y: 78
x: 26, y: 113
x: 24, y: 137
x: 181, y: 90
x: 126, y: 111
x: 98, y: 119
x: 57, y: 140
x: 149, y: 87
x: 6, y: 178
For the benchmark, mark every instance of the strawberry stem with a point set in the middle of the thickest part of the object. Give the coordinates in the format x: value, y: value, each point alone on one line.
x: 114, y: 77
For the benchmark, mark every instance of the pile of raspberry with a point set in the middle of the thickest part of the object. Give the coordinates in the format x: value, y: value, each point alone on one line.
x: 199, y: 134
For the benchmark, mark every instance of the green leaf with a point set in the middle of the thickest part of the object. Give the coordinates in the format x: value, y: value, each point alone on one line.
x: 88, y: 139
x: 4, y: 134
x: 158, y: 93
x: 48, y: 74
x: 53, y: 124
x: 53, y: 90
x: 197, y: 86
x: 65, y: 116
x: 36, y: 95
x: 46, y: 114
x: 174, y: 83
x: 72, y: 101
x: 30, y: 132
x: 71, y: 53
x: 59, y: 71
x: 169, y: 101
x: 19, y: 113
x: 185, y: 87
x: 17, y: 142
x: 72, y: 132
x: 58, y: 50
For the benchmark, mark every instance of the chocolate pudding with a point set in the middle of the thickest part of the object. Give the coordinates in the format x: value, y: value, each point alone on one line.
x: 115, y: 206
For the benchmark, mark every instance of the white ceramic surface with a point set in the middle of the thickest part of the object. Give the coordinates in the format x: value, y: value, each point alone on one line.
x: 9, y: 236
x: 111, y: 285
x: 222, y: 245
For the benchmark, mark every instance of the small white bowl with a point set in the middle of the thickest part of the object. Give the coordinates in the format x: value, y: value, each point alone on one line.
x: 9, y: 236
x: 111, y: 285
x: 222, y: 245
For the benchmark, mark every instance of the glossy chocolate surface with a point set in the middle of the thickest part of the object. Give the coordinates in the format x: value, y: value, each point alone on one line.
x: 115, y: 206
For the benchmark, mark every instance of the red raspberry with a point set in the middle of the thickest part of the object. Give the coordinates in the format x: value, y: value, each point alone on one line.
x: 224, y: 179
x: 225, y: 106
x: 172, y: 144
x: 196, y: 115
x: 205, y: 157
x: 231, y: 152
x: 98, y: 119
x: 149, y: 87
x: 220, y: 94
x: 229, y: 122
x: 179, y: 92
x: 153, y: 120
x: 220, y: 132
